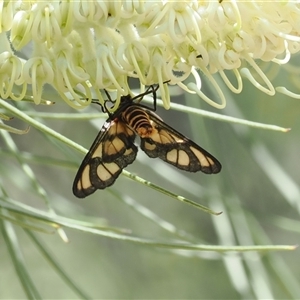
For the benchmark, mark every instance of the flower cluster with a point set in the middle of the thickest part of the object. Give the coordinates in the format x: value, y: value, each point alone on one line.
x: 80, y: 47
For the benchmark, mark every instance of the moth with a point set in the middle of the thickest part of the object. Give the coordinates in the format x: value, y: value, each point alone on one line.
x: 114, y: 148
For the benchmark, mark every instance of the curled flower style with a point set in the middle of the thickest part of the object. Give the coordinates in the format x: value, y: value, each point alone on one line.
x: 10, y: 74
x: 81, y: 47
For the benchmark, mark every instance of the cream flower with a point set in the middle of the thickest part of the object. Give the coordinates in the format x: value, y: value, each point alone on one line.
x: 82, y: 47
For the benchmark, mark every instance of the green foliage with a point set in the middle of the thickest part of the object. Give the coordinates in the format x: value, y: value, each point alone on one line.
x: 131, y: 240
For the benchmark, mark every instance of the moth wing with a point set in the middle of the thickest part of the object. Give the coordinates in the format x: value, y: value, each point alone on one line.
x: 112, y: 150
x: 176, y: 149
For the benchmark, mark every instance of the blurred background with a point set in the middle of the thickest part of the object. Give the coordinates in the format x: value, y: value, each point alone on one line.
x: 257, y: 191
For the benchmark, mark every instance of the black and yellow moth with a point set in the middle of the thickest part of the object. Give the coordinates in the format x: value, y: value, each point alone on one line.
x: 114, y: 148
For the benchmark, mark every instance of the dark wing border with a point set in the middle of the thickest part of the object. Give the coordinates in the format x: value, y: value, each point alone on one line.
x: 160, y: 150
x: 90, y: 163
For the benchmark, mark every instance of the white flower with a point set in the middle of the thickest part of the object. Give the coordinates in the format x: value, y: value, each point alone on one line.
x: 81, y: 47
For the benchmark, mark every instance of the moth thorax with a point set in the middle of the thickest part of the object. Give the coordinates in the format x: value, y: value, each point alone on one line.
x: 138, y: 120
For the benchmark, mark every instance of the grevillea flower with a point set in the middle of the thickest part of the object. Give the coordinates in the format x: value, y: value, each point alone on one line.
x: 83, y: 47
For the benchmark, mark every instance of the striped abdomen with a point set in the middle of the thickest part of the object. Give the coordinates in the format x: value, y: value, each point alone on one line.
x: 138, y: 119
